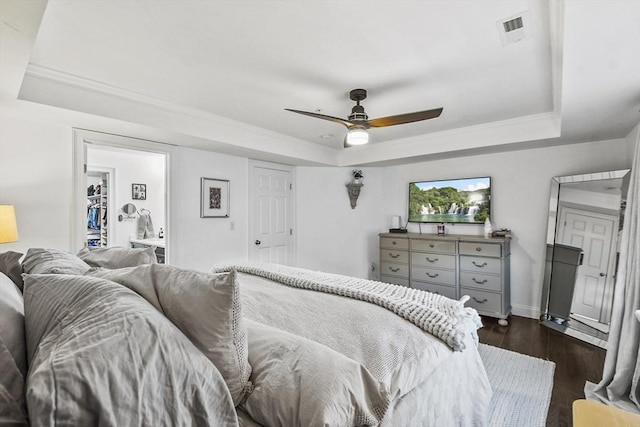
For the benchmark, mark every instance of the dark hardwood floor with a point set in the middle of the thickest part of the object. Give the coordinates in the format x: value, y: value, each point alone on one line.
x: 576, y: 361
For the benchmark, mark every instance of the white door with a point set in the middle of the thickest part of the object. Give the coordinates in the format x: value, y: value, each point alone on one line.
x: 271, y: 214
x: 593, y: 232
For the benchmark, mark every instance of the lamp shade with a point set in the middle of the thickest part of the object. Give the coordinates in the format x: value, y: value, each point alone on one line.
x: 357, y: 136
x: 8, y: 226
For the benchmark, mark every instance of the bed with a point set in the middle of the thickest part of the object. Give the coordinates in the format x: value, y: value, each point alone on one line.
x: 113, y: 338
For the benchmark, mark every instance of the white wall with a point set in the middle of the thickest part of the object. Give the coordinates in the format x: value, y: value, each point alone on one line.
x: 333, y: 238
x: 590, y: 198
x: 201, y: 242
x: 36, y: 177
x: 330, y: 235
x: 633, y: 141
x: 132, y: 167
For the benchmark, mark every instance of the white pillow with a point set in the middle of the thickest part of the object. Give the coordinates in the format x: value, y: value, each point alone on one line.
x: 299, y: 382
x: 118, y: 257
x: 104, y: 356
x: 206, y: 307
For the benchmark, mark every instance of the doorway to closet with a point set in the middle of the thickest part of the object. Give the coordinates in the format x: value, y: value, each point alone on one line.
x: 121, y: 192
x: 100, y: 180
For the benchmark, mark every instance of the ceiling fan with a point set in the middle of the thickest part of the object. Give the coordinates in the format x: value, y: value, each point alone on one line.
x: 358, y: 121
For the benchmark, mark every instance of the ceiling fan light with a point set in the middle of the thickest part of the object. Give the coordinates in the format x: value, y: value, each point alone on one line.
x: 357, y: 136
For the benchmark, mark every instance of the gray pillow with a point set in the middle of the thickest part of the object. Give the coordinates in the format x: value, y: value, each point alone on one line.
x: 13, y: 357
x: 206, y: 307
x: 10, y: 266
x: 102, y: 355
x: 118, y: 256
x: 52, y: 261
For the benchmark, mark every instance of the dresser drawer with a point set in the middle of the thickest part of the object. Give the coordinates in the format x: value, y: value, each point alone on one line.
x: 392, y: 269
x: 480, y: 281
x: 394, y: 243
x: 445, y: 291
x: 483, y: 249
x: 433, y: 260
x: 483, y: 301
x: 394, y: 256
x: 433, y: 275
x: 481, y: 265
x: 395, y: 280
x: 442, y: 246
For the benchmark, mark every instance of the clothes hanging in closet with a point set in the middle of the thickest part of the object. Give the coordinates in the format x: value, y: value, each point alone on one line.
x: 93, y: 218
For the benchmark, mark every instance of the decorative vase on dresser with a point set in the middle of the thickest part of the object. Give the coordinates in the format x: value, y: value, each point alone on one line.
x: 452, y: 266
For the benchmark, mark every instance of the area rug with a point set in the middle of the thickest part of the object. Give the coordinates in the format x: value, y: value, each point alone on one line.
x: 521, y: 387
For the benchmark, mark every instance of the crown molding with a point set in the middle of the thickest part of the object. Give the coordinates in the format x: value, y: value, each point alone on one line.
x: 64, y: 90
x: 533, y: 127
x: 53, y: 87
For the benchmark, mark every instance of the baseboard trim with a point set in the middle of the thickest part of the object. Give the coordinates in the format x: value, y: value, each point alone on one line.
x: 525, y: 311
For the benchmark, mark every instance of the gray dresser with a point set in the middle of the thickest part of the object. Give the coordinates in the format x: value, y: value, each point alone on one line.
x: 394, y: 259
x: 453, y: 266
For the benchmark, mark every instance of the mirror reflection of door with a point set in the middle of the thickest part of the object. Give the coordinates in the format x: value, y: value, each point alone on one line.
x: 594, y: 233
x: 586, y: 213
x: 588, y: 218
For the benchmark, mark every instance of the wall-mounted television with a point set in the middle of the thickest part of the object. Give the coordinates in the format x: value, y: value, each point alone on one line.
x: 462, y: 200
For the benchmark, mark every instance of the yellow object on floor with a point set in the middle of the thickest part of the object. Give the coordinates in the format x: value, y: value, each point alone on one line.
x: 589, y: 413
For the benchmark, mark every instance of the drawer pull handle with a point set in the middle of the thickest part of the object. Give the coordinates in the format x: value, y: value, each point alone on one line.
x: 433, y: 276
x: 431, y: 260
x: 479, y: 265
x: 431, y: 245
x: 479, y: 282
x: 395, y: 270
x: 478, y: 301
x: 479, y: 249
x: 393, y: 242
x: 393, y: 256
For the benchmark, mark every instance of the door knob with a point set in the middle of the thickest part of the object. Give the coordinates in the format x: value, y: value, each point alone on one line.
x: 602, y: 274
x: 258, y: 242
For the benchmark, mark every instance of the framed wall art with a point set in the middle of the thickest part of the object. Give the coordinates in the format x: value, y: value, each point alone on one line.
x: 214, y: 198
x: 139, y: 191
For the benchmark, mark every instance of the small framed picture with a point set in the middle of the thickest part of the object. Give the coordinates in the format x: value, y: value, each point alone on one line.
x: 214, y: 198
x: 139, y: 191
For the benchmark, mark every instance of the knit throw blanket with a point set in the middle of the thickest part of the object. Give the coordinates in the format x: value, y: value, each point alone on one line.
x: 442, y: 317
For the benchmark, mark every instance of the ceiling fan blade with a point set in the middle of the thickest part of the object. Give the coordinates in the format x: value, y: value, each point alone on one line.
x: 404, y: 118
x: 324, y: 117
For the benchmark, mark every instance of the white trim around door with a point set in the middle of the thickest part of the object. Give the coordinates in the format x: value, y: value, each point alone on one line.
x: 82, y: 138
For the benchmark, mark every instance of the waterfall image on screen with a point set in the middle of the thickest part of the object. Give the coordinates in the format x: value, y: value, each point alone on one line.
x: 452, y: 201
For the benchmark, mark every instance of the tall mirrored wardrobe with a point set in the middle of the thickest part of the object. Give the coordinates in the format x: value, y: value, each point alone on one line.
x: 585, y: 219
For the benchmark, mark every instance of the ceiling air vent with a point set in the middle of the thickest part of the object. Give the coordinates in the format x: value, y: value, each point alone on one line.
x: 514, y: 28
x: 513, y: 24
